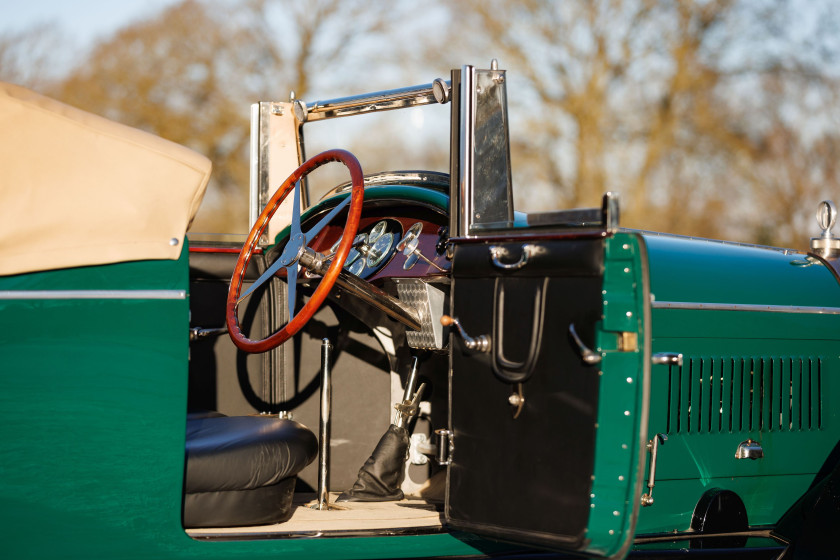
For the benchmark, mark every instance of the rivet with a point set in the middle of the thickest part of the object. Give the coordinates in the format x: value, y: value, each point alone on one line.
x: 616, y: 513
x: 174, y: 242
x: 612, y: 532
x: 629, y: 313
x: 626, y: 413
x: 621, y: 477
x: 629, y: 380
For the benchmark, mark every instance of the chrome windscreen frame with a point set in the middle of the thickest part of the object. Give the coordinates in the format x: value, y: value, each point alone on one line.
x: 277, y: 144
x: 483, y: 195
x: 276, y: 151
x: 484, y: 169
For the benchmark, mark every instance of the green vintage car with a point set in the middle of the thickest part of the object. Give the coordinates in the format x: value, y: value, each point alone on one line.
x: 407, y: 367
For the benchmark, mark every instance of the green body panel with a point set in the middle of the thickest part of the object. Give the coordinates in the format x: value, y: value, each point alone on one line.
x: 92, y: 423
x: 765, y: 376
x: 621, y: 403
x: 708, y: 271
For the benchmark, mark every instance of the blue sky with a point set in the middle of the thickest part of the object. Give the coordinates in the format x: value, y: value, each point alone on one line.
x: 82, y: 20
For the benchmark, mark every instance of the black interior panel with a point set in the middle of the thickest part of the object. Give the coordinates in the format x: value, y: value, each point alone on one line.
x: 235, y: 383
x: 531, y: 473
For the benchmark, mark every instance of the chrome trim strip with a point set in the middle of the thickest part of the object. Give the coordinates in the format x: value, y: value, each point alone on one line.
x: 92, y: 294
x: 745, y: 307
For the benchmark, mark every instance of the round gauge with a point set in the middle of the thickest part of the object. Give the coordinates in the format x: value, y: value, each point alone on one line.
x: 357, y: 267
x: 408, y: 244
x: 377, y: 231
x: 380, y: 249
x: 354, y: 253
x: 410, y: 261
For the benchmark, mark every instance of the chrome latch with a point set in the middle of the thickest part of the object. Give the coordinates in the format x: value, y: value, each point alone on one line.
x: 652, y: 447
x: 497, y: 253
x: 445, y: 447
x: 197, y: 333
x: 517, y: 400
x: 588, y: 356
x: 749, y: 449
x: 480, y: 343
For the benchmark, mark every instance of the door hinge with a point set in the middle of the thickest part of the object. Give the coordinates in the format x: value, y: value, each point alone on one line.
x: 628, y: 341
x: 445, y: 447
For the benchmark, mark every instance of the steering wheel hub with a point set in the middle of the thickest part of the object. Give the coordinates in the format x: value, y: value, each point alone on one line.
x: 293, y: 250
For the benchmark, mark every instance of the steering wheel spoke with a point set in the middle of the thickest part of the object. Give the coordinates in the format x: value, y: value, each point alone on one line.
x: 271, y: 271
x: 291, y: 281
x: 316, y: 229
x: 294, y: 250
x: 294, y: 228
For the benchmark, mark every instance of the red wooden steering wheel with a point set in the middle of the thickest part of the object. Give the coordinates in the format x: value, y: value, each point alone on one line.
x: 296, y: 248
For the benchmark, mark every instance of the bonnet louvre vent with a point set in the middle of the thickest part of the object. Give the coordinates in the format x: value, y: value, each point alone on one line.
x: 713, y: 395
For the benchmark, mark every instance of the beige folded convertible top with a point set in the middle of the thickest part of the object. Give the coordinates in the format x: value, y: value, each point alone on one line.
x: 77, y: 189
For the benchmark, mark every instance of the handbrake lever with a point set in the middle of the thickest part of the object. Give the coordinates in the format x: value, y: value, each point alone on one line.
x: 410, y: 405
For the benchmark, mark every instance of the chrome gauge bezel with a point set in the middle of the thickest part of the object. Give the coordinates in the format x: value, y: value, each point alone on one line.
x: 357, y: 267
x: 380, y: 249
x: 408, y: 245
x: 376, y: 247
x: 378, y: 230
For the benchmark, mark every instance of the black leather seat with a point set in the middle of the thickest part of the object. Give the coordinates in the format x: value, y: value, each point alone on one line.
x: 241, y: 470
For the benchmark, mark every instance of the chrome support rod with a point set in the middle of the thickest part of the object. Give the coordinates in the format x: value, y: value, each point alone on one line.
x: 653, y: 448
x: 426, y: 94
x: 324, y: 440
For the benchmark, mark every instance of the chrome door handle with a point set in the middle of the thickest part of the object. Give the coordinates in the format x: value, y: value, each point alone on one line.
x: 749, y: 449
x: 496, y: 253
x: 667, y: 359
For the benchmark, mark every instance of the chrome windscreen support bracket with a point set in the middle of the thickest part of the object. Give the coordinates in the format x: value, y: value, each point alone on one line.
x: 653, y: 447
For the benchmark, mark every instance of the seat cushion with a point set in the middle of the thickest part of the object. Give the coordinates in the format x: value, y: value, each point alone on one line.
x: 241, y: 470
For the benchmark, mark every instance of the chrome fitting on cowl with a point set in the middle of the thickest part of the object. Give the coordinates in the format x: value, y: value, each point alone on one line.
x: 826, y: 246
